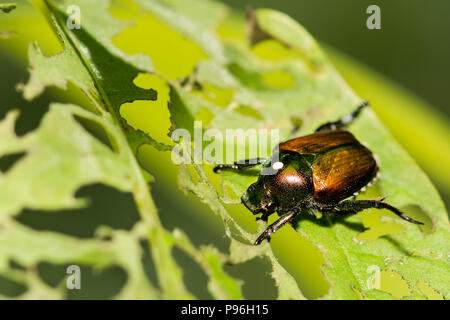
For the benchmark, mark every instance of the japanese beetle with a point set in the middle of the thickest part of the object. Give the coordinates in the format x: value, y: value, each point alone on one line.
x: 314, y: 173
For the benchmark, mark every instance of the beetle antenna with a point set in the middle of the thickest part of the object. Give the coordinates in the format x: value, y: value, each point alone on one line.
x: 358, y: 109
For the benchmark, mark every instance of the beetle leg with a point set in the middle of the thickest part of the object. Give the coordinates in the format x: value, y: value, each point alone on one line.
x: 344, y: 121
x: 281, y: 221
x: 264, y: 217
x: 354, y: 206
x: 238, y: 166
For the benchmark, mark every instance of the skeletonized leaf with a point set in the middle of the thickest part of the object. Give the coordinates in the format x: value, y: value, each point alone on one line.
x: 317, y: 94
x: 61, y: 156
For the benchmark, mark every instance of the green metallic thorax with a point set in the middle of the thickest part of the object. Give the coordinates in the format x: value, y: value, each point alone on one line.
x: 288, y: 187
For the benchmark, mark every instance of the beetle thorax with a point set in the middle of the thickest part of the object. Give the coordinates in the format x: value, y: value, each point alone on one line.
x: 292, y: 184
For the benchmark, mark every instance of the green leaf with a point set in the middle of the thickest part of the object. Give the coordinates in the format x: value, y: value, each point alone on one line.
x: 43, y: 181
x: 280, y: 80
x: 87, y: 60
x: 318, y: 94
x: 61, y: 156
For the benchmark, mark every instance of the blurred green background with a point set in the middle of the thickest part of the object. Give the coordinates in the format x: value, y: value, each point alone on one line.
x: 412, y: 47
x: 403, y: 69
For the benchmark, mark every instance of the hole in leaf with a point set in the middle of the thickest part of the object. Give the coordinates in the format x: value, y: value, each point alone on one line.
x: 72, y: 95
x: 194, y: 218
x: 255, y: 274
x: 11, y: 288
x: 194, y: 277
x: 8, y: 160
x: 278, y: 79
x: 429, y: 292
x: 371, y: 218
x: 120, y: 87
x: 108, y: 207
x: 242, y: 216
x: 230, y: 195
x: 29, y: 120
x: 14, y: 265
x: 416, y: 212
x: 248, y: 78
x: 31, y: 113
x: 273, y: 50
x: 124, y: 9
x: 219, y: 97
x: 96, y: 283
x: 309, y: 276
x: 95, y: 129
x: 51, y: 274
x: 393, y: 283
x: 205, y: 116
x: 378, y: 229
x: 172, y: 54
x: 237, y: 235
x: 188, y: 214
x: 150, y: 116
x: 148, y: 265
x: 249, y: 111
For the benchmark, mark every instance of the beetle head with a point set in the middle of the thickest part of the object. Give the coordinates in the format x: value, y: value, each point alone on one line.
x: 257, y: 200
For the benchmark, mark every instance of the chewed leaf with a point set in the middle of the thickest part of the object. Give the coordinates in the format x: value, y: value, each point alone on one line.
x: 28, y: 247
x: 7, y: 7
x: 317, y: 94
x: 221, y: 285
x: 266, y: 24
x: 401, y: 179
x: 51, y: 163
x: 207, y: 14
x: 86, y: 61
x: 60, y: 157
x: 61, y: 68
x: 278, y: 79
x: 193, y: 24
x: 41, y: 179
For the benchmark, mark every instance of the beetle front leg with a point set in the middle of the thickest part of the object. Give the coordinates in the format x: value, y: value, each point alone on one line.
x: 264, y: 217
x: 344, y: 121
x: 354, y: 206
x: 281, y: 221
x: 238, y: 166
